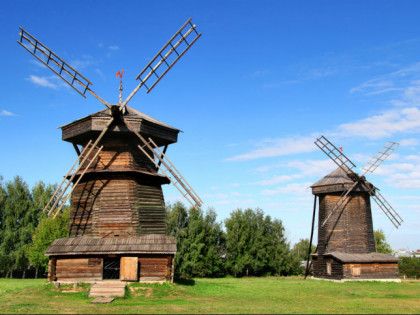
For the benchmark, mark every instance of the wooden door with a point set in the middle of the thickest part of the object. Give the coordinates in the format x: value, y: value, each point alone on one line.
x: 129, y: 268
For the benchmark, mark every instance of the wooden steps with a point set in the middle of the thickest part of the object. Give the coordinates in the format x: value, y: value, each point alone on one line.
x: 107, y: 289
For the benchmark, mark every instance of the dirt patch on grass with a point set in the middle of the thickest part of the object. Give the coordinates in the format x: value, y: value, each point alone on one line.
x: 142, y: 291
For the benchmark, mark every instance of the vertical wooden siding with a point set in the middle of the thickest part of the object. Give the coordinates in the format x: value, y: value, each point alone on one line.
x: 352, y: 231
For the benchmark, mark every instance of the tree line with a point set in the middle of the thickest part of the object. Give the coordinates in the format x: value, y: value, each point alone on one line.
x: 247, y: 243
x: 22, y: 224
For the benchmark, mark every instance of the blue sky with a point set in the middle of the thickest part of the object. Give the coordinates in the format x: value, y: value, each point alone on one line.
x: 251, y: 96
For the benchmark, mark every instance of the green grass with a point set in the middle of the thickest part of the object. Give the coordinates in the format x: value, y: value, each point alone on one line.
x: 227, y: 295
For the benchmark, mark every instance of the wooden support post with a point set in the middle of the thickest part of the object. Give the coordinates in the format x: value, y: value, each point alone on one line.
x: 310, y: 240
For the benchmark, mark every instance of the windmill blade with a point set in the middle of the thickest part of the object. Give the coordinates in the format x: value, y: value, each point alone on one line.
x: 178, y: 180
x: 379, y: 157
x: 340, y: 203
x: 392, y: 215
x: 335, y: 154
x: 61, y: 68
x: 82, y: 158
x: 178, y: 44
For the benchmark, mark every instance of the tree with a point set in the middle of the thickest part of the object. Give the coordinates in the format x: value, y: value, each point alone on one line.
x: 380, y: 243
x: 256, y: 245
x: 46, y: 232
x: 48, y: 229
x: 409, y: 266
x: 299, y: 253
x: 3, y: 197
x: 19, y: 222
x: 300, y: 249
x: 199, y: 241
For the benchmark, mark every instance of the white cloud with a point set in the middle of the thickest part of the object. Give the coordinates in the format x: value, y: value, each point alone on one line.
x: 85, y: 62
x: 377, y: 84
x: 386, y: 124
x: 290, y: 189
x: 405, y: 181
x: 277, y: 180
x: 278, y: 147
x: 42, y: 81
x: 113, y: 47
x: 409, y: 142
x: 6, y: 113
x: 313, y: 167
x: 413, y: 158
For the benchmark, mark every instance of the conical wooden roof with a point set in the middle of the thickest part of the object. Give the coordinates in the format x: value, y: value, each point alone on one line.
x: 337, y: 181
x: 85, y: 128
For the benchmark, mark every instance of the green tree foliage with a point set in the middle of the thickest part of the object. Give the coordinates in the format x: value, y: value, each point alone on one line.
x: 299, y: 254
x: 199, y: 241
x: 380, y: 242
x: 48, y: 229
x: 300, y: 249
x: 20, y: 214
x: 19, y: 220
x: 409, y: 266
x: 45, y: 233
x: 3, y: 197
x: 256, y: 245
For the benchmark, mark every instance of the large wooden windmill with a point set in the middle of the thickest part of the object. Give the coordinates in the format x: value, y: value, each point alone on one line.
x: 117, y: 217
x: 346, y: 245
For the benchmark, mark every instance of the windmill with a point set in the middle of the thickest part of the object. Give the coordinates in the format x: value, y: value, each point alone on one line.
x: 346, y: 245
x: 117, y: 216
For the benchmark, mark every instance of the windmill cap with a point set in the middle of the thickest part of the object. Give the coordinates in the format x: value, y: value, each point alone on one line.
x: 88, y: 127
x: 337, y: 181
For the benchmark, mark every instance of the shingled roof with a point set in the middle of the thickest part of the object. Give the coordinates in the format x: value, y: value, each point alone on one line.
x: 130, y: 114
x: 363, y: 258
x: 84, y: 129
x: 337, y: 181
x: 147, y: 244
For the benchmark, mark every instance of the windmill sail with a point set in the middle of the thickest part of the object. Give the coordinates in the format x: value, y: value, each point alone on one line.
x: 61, y: 68
x: 164, y: 60
x: 335, y: 154
x: 379, y: 157
x: 86, y: 154
x: 392, y: 215
x: 177, y: 179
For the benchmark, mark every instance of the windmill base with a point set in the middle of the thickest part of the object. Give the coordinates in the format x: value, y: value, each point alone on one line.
x: 342, y: 267
x: 347, y: 280
x: 146, y: 259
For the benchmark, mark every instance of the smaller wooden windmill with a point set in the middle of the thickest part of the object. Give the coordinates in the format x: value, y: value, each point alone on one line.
x: 117, y: 210
x: 346, y: 245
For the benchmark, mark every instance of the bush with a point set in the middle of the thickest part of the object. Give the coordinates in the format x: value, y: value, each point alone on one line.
x: 410, y: 267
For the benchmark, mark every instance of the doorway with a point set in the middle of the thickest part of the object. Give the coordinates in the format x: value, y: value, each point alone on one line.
x: 111, y: 269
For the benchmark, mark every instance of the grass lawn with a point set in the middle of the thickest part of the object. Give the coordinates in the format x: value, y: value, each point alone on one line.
x: 226, y: 295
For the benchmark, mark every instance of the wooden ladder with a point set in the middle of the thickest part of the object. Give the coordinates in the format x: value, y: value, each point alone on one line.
x: 59, y: 196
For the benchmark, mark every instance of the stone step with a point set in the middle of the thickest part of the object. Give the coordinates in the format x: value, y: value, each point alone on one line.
x: 107, y: 289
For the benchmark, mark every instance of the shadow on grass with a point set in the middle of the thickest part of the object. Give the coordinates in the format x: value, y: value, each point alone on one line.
x: 189, y: 282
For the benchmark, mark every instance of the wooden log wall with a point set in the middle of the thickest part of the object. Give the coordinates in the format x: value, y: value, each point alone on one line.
x: 371, y: 271
x: 320, y: 268
x: 352, y: 230
x: 155, y: 268
x: 151, y: 268
x: 365, y: 270
x: 117, y: 205
x: 121, y: 155
x: 107, y: 204
x: 79, y: 269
